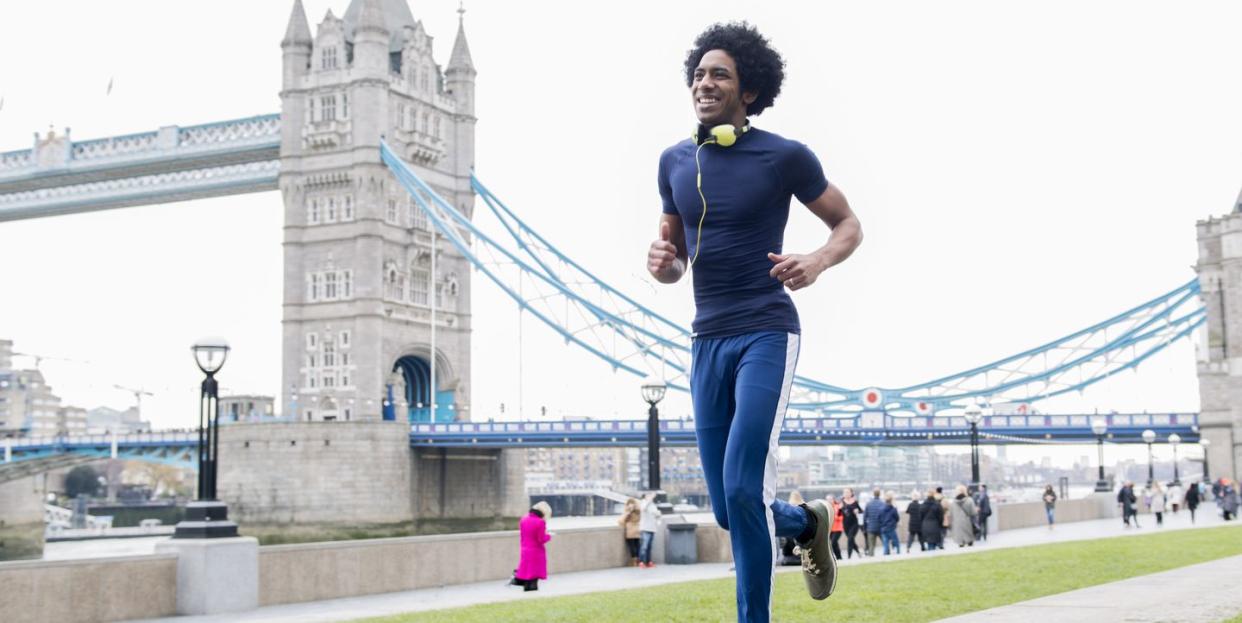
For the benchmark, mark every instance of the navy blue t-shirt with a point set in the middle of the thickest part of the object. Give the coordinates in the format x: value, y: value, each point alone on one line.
x: 748, y: 186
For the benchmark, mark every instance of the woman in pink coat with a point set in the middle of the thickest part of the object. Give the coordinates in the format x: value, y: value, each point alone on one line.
x: 533, y: 530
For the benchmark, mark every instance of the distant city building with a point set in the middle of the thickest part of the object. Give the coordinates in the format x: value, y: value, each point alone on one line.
x: 71, y: 421
x: 247, y: 408
x: 6, y: 355
x: 27, y: 403
x: 104, y: 420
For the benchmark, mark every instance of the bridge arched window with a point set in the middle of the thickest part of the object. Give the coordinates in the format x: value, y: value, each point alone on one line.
x: 347, y: 286
x: 347, y: 212
x: 312, y: 215
x: 315, y: 285
x: 329, y: 293
x: 436, y: 133
x: 327, y: 106
x: 391, y: 214
x: 330, y: 212
x: 418, y: 286
x: 328, y: 60
x: 344, y: 105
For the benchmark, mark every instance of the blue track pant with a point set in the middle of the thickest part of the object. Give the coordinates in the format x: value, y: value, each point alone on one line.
x: 740, y: 389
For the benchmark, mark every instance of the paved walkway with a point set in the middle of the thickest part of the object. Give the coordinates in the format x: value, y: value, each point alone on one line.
x: 629, y: 577
x: 1203, y: 593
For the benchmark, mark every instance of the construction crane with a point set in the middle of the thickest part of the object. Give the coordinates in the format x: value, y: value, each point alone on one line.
x: 39, y: 359
x: 138, y: 393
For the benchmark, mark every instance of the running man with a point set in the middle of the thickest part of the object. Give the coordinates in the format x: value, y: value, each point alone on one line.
x: 726, y: 195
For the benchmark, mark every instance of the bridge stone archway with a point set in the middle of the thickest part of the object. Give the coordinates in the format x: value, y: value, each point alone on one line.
x: 412, y: 398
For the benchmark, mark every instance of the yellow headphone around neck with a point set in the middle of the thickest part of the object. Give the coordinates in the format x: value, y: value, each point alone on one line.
x: 724, y: 135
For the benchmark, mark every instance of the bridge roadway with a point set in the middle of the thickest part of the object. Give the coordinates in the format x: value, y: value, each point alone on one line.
x: 177, y: 447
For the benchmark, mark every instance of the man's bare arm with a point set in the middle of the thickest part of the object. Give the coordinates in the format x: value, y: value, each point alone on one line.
x: 799, y: 271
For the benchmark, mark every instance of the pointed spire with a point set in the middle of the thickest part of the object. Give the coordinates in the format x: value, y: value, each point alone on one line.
x: 371, y: 17
x: 460, y: 59
x: 298, y: 30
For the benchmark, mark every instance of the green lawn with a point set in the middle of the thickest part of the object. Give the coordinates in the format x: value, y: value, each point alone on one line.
x: 919, y: 589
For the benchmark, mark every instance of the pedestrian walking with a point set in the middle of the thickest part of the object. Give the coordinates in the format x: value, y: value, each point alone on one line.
x: 984, y: 504
x: 838, y: 520
x: 1193, y: 496
x: 932, y: 521
x: 962, y: 526
x: 1176, y: 495
x: 872, y: 521
x: 889, y: 518
x: 944, y: 515
x: 1228, y: 499
x: 850, y: 510
x: 629, y: 523
x: 1050, y: 504
x: 1127, y: 500
x: 915, y: 524
x: 533, y: 535
x: 1156, y: 502
x: 648, y: 523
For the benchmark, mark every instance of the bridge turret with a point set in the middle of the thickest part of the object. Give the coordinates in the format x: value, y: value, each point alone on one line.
x: 459, y: 80
x: 360, y: 286
x: 371, y: 37
x: 296, y: 47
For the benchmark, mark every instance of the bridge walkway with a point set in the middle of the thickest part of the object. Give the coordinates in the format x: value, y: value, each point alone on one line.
x: 629, y: 577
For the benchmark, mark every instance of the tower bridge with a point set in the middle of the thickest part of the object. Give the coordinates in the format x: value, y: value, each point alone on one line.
x: 373, y: 152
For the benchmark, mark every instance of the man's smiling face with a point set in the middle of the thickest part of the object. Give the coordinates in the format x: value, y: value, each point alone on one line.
x: 716, y: 91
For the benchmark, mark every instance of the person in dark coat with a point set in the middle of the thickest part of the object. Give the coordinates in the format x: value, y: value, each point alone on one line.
x: 915, y: 511
x: 1192, y: 500
x: 984, y: 504
x: 1127, y: 499
x: 889, y: 518
x: 850, y: 510
x: 932, y: 522
x: 872, y: 522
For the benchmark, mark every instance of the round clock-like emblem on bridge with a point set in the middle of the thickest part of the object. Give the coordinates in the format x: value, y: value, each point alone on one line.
x: 923, y: 408
x: 872, y: 398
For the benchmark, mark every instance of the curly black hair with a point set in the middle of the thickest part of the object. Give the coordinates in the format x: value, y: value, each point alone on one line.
x: 760, y: 68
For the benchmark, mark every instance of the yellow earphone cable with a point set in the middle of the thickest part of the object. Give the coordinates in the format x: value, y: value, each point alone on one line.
x: 698, y: 183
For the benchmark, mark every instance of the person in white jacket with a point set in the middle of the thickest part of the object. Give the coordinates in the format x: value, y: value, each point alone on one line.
x: 1157, y: 502
x: 1176, y: 494
x: 648, y: 523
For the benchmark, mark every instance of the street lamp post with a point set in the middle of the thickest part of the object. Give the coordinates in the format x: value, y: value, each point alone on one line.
x: 1149, y: 436
x: 653, y: 393
x: 207, y: 517
x: 1175, y: 439
x: 973, y: 415
x: 1207, y: 473
x: 1099, y: 426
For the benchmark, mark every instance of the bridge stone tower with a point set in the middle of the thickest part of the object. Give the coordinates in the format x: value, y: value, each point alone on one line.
x: 360, y: 291
x: 1220, y: 353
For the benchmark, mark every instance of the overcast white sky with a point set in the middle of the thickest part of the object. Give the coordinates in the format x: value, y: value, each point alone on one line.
x: 1021, y: 170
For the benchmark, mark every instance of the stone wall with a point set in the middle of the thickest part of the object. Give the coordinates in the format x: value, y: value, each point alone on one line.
x: 21, y: 518
x: 464, y: 483
x: 1031, y: 514
x: 361, y: 473
x: 316, y: 571
x: 316, y: 472
x: 89, y: 591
